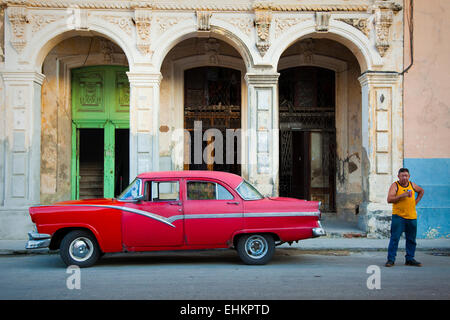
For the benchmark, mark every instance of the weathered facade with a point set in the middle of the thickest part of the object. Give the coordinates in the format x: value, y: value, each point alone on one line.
x: 313, y: 81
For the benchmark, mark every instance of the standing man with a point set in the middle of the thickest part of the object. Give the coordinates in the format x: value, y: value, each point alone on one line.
x: 404, y: 217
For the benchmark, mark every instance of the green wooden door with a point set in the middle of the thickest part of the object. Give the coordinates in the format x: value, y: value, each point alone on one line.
x: 100, y: 100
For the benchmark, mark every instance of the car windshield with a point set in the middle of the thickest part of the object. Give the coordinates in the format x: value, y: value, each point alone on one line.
x: 132, y: 191
x: 248, y: 192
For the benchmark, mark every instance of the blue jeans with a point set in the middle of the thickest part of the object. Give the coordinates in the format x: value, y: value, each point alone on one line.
x: 398, y: 226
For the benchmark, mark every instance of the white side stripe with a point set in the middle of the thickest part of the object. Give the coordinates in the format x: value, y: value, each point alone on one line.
x: 169, y: 221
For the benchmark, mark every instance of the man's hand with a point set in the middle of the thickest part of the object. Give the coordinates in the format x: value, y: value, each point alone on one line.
x: 392, y: 198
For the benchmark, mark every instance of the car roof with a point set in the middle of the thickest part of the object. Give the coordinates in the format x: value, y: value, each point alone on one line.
x: 233, y: 180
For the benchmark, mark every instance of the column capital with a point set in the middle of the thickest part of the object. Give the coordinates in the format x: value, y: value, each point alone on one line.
x: 22, y: 76
x: 379, y: 77
x: 144, y: 79
x: 254, y: 78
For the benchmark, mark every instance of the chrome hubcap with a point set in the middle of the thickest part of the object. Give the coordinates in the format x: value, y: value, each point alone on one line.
x: 256, y: 246
x: 81, y: 249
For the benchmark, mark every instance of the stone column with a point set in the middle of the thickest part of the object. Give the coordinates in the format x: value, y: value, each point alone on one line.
x: 144, y: 122
x: 261, y: 163
x: 382, y: 147
x: 21, y: 144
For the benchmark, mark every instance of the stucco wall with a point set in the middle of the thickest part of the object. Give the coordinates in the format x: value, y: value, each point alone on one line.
x: 56, y: 111
x: 427, y: 85
x: 427, y: 113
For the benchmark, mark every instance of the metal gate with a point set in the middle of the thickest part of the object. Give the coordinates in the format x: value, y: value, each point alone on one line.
x: 212, y: 95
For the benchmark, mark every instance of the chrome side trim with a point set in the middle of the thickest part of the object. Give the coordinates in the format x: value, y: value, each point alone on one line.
x: 281, y: 214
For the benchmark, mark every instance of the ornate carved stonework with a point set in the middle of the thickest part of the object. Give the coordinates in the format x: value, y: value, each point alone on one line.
x: 203, y: 20
x: 212, y: 50
x: 143, y: 19
x: 165, y: 22
x: 18, y: 16
x: 360, y: 24
x: 384, y: 15
x: 106, y: 48
x: 123, y: 23
x: 322, y: 21
x: 263, y: 20
x: 189, y: 5
x: 283, y: 24
x: 244, y: 24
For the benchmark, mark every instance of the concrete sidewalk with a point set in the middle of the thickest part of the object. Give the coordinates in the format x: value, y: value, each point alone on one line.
x: 340, y: 236
x: 12, y: 247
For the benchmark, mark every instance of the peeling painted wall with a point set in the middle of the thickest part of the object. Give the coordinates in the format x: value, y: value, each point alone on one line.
x: 56, y: 112
x: 427, y: 114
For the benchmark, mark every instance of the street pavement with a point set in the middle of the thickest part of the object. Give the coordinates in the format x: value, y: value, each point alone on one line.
x: 343, y: 265
x: 219, y: 274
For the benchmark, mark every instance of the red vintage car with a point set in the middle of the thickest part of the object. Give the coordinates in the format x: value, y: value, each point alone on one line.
x: 175, y: 210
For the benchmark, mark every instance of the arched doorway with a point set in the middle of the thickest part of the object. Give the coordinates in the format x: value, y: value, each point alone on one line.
x: 307, y: 134
x: 212, y: 100
x: 202, y: 87
x: 85, y: 120
x: 322, y: 74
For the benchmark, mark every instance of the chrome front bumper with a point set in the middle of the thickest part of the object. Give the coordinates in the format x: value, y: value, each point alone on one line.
x: 318, y: 232
x: 38, y: 240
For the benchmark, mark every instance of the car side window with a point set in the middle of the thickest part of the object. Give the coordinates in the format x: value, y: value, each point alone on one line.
x: 204, y: 190
x: 223, y: 194
x: 163, y: 191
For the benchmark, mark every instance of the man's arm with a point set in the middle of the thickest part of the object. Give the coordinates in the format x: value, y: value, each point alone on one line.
x: 392, y: 198
x: 419, y: 190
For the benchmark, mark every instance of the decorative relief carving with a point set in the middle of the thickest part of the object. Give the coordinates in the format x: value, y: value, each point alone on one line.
x: 322, y: 21
x: 106, y: 48
x: 124, y: 23
x: 18, y: 16
x: 189, y: 5
x: 212, y: 50
x: 360, y: 24
x: 165, y: 22
x: 123, y: 92
x: 263, y: 20
x: 143, y: 19
x: 203, y: 20
x: 90, y: 94
x: 384, y: 16
x: 40, y: 21
x: 242, y: 23
x: 283, y: 24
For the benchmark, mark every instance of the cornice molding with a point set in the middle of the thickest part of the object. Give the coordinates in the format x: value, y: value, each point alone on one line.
x: 288, y: 6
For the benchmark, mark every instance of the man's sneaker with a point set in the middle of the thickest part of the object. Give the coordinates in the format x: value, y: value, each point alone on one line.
x: 413, y: 263
x: 389, y: 264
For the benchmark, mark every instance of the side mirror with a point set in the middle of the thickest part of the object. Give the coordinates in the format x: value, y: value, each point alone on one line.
x: 139, y: 198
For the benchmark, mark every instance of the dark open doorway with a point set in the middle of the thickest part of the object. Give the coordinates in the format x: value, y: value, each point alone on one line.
x: 308, y: 135
x: 91, y: 146
x: 122, y: 160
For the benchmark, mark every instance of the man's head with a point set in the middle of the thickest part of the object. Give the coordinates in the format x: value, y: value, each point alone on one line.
x: 403, y: 176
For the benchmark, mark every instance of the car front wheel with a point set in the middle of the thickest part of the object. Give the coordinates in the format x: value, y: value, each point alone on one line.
x: 79, y: 248
x: 256, y: 249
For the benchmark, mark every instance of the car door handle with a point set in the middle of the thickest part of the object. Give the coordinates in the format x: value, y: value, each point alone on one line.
x: 233, y: 202
x: 175, y: 203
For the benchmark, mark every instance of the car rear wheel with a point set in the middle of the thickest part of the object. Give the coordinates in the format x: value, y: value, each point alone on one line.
x: 256, y: 249
x: 79, y: 248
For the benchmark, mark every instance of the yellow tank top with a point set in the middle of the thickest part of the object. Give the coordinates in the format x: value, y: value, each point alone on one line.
x: 406, y: 207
